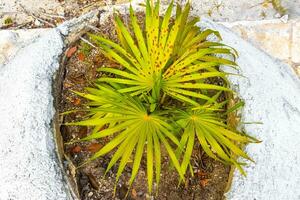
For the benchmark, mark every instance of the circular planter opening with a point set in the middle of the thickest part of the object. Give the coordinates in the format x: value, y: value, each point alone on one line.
x: 78, y: 68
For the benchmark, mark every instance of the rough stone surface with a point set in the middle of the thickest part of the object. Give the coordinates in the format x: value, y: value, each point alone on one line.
x: 271, y: 92
x: 29, y: 164
x: 12, y: 41
x: 273, y: 36
x: 29, y: 168
x: 233, y: 10
x: 15, y: 9
x: 277, y: 38
x: 296, y: 42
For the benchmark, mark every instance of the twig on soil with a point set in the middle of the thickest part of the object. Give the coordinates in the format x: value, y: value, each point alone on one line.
x: 22, y: 25
x: 94, y: 4
x: 8, y: 13
x: 88, y: 42
x: 35, y: 17
x: 51, y: 16
x: 94, y: 28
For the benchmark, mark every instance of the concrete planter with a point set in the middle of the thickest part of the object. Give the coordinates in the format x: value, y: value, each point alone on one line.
x: 31, y: 155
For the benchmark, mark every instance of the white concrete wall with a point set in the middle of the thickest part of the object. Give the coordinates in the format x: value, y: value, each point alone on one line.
x: 271, y: 92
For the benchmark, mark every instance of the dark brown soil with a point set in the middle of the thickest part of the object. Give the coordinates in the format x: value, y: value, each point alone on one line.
x: 210, y: 177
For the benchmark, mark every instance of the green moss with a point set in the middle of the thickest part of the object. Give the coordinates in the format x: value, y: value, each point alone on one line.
x: 8, y: 21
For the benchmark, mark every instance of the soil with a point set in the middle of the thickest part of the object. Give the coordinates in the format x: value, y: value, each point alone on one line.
x: 210, y: 177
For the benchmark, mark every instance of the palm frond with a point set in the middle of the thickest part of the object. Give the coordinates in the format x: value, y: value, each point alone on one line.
x: 165, y: 51
x: 131, y: 127
x: 215, y: 137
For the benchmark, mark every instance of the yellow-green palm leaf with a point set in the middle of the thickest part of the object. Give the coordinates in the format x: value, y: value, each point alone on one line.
x: 165, y: 57
x: 214, y: 136
x: 132, y: 129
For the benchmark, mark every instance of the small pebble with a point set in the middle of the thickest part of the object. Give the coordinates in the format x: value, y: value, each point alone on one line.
x: 90, y: 194
x: 37, y: 22
x: 277, y: 15
x: 60, y: 11
x: 284, y: 18
x: 140, y: 193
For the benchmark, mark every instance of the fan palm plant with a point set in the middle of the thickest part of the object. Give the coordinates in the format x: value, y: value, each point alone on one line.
x: 168, y: 58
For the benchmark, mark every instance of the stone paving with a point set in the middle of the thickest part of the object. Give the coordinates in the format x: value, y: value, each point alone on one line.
x: 277, y: 38
x: 26, y: 11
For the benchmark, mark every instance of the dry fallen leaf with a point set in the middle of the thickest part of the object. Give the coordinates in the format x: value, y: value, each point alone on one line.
x: 134, y: 193
x: 204, y: 182
x: 67, y: 85
x: 72, y: 169
x: 80, y: 56
x: 201, y: 173
x: 82, y: 132
x: 71, y: 51
x: 93, y: 181
x: 76, y: 102
x: 93, y: 148
x: 76, y: 149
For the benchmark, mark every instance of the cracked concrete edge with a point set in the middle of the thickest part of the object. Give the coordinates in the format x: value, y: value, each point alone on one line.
x: 71, y: 31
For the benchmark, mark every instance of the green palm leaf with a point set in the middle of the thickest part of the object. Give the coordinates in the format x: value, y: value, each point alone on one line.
x: 131, y: 129
x: 173, y: 51
x: 215, y: 137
